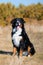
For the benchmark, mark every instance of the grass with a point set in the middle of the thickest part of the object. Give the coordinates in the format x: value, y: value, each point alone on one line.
x: 6, y: 45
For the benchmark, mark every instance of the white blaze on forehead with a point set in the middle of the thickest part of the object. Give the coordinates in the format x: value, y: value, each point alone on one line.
x: 19, y: 22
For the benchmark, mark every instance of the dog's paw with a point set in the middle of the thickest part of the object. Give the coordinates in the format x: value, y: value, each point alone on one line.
x: 28, y: 55
x: 25, y: 53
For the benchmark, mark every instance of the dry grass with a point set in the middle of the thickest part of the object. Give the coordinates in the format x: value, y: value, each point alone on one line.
x: 6, y: 46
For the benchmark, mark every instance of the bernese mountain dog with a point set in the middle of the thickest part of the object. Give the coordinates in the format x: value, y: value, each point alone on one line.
x: 20, y: 39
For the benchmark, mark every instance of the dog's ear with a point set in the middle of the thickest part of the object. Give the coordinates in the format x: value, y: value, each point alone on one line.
x: 23, y: 20
x: 13, y: 21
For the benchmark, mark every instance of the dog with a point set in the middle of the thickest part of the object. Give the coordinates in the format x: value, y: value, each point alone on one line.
x: 20, y: 39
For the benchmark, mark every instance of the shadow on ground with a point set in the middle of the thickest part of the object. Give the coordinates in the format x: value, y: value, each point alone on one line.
x: 6, y: 52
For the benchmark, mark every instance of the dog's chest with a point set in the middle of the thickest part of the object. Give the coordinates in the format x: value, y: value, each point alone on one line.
x: 17, y: 36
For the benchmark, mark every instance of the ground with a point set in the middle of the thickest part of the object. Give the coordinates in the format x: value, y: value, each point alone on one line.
x: 6, y: 48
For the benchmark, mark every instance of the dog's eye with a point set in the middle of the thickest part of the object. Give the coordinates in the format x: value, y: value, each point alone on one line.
x: 17, y: 24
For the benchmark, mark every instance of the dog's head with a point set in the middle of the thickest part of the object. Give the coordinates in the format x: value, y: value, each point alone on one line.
x: 17, y: 21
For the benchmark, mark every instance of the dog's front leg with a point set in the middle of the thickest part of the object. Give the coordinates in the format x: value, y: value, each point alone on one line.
x: 21, y: 52
x: 14, y: 50
x: 29, y: 51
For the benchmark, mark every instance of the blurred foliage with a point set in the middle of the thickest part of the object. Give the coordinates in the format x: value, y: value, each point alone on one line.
x: 9, y: 11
